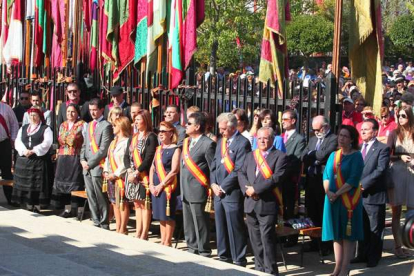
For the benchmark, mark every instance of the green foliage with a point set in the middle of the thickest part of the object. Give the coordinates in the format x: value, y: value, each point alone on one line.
x: 308, y: 34
x: 401, y: 33
x: 225, y: 21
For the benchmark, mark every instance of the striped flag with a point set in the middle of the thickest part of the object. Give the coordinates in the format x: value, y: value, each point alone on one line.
x: 40, y: 32
x: 156, y: 27
x: 366, y: 49
x: 58, y: 16
x: 94, y: 36
x: 4, y: 28
x: 273, y: 58
x: 13, y: 49
x: 106, y: 46
x: 175, y: 67
x: 141, y: 32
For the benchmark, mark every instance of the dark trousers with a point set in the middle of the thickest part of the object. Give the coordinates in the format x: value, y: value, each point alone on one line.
x: 230, y: 231
x: 262, y: 233
x: 97, y: 200
x: 370, y: 249
x: 5, y: 166
x: 196, y: 228
x: 315, y: 198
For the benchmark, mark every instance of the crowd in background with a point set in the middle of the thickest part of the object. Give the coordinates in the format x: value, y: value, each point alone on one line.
x: 251, y: 175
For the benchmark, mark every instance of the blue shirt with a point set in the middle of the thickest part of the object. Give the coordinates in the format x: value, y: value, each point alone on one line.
x: 277, y: 143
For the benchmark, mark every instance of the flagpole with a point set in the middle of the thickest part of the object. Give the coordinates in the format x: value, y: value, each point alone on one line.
x: 337, y: 40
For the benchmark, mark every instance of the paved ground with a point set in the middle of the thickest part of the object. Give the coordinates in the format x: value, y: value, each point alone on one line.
x: 45, y: 244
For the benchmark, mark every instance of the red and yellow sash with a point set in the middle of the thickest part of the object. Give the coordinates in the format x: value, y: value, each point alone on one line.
x: 350, y: 202
x: 226, y: 160
x: 114, y: 167
x: 162, y: 174
x: 195, y: 170
x: 94, y: 145
x: 266, y: 172
x: 137, y: 162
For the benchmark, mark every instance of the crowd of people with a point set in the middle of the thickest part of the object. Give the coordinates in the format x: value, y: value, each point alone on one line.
x: 250, y: 175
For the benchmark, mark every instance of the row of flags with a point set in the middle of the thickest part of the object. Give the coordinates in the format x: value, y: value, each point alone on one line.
x: 365, y: 47
x: 103, y: 33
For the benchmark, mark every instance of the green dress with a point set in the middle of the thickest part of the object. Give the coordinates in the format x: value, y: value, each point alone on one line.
x: 335, y: 215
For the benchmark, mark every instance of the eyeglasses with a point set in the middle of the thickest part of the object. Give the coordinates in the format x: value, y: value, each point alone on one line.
x: 24, y: 98
x: 317, y: 130
x: 72, y: 91
x: 402, y: 116
x: 164, y: 131
x: 286, y: 119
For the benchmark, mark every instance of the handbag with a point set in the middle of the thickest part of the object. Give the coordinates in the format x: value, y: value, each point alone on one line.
x: 134, y: 191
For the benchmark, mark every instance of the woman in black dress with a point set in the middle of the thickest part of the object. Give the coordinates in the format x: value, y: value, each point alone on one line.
x: 163, y: 180
x: 68, y: 175
x: 31, y: 181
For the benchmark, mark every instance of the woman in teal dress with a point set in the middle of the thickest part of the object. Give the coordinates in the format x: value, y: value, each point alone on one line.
x: 335, y: 214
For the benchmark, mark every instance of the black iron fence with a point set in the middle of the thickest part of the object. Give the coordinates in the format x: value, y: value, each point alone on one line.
x: 212, y: 93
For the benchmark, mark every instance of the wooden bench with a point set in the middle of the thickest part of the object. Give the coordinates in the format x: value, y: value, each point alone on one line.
x: 81, y: 194
x: 313, y: 232
x: 4, y: 182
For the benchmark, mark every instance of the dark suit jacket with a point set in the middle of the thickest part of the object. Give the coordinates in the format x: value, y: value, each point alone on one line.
x: 373, y: 179
x: 237, y: 151
x: 294, y: 148
x: 125, y: 108
x: 309, y: 155
x: 84, y: 109
x: 103, y: 136
x: 202, y: 154
x: 267, y: 203
x: 181, y: 134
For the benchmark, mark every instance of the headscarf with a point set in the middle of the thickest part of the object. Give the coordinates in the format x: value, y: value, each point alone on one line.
x: 39, y: 112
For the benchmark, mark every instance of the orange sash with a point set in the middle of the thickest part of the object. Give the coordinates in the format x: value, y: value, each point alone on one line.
x: 162, y: 174
x: 94, y: 145
x: 137, y: 162
x: 266, y: 172
x: 195, y: 170
x: 350, y: 202
x: 225, y: 158
x: 114, y: 166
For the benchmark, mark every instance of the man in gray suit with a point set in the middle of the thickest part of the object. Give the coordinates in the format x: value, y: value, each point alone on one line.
x: 228, y: 201
x: 198, y: 152
x: 263, y: 170
x: 294, y: 144
x: 97, y: 134
x: 172, y: 115
x: 374, y: 194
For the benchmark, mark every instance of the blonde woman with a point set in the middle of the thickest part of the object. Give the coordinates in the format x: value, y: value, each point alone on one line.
x: 163, y: 180
x: 141, y: 154
x: 114, y: 114
x: 116, y: 164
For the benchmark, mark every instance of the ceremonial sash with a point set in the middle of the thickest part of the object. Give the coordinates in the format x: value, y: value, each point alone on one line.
x: 4, y: 124
x: 266, y: 172
x: 350, y: 202
x: 162, y: 174
x: 225, y: 158
x: 94, y: 145
x: 136, y: 157
x: 195, y: 170
x: 114, y: 166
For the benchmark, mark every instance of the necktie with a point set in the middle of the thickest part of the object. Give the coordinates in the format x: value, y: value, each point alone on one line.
x: 364, y: 150
x: 285, y: 138
x: 193, y: 142
x: 318, y: 144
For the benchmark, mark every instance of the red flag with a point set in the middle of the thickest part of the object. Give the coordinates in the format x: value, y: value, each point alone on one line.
x: 13, y: 49
x: 194, y: 17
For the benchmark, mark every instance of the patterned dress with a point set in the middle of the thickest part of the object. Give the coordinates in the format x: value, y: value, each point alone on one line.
x: 68, y: 175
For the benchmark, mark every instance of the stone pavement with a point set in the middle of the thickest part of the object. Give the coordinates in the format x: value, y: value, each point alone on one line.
x: 45, y: 244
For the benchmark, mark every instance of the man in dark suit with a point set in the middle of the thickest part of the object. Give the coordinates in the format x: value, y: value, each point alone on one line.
x: 294, y: 144
x: 98, y: 135
x: 117, y: 95
x: 374, y: 194
x: 172, y: 115
x: 263, y: 170
x: 315, y: 156
x: 73, y: 93
x: 228, y: 209
x: 198, y: 152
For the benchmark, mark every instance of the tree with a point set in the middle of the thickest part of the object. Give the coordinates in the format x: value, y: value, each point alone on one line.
x: 308, y: 34
x: 225, y: 22
x: 401, y: 33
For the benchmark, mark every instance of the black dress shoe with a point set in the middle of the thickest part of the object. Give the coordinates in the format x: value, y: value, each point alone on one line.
x: 66, y: 214
x: 357, y: 260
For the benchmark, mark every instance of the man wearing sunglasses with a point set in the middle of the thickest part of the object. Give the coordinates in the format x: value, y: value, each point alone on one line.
x: 22, y: 107
x: 73, y: 94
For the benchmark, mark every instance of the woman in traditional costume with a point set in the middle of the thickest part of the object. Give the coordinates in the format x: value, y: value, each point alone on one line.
x: 342, y: 214
x: 163, y: 181
x: 68, y: 175
x: 31, y: 175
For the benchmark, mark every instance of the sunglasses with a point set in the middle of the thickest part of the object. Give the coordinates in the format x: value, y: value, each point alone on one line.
x: 286, y: 119
x: 384, y: 117
x: 164, y: 131
x: 24, y: 98
x: 402, y: 116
